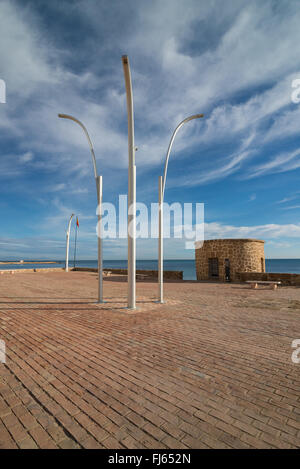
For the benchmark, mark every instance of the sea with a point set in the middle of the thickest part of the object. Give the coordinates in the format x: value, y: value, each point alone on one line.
x: 187, y: 266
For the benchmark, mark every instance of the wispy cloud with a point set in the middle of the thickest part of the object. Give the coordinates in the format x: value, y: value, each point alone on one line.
x: 278, y: 164
x: 289, y: 198
x: 196, y: 78
x: 291, y: 207
x: 286, y: 199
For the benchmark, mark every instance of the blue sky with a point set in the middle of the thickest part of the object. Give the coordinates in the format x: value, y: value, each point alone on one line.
x: 234, y: 64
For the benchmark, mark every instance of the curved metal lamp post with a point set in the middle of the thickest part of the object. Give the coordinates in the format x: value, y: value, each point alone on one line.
x: 68, y: 243
x: 161, y: 193
x: 99, y: 199
x: 131, y: 220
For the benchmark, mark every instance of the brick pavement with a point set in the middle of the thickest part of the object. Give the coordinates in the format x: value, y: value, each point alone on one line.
x: 209, y: 369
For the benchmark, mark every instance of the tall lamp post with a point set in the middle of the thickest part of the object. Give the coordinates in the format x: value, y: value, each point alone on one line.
x: 161, y: 193
x: 68, y: 242
x: 131, y: 220
x: 98, y: 180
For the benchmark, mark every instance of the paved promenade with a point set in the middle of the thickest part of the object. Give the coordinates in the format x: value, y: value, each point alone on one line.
x: 209, y: 369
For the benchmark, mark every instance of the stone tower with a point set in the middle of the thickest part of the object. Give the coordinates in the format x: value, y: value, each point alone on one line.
x: 221, y: 259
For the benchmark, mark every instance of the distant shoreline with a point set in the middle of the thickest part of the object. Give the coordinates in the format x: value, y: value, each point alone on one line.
x: 26, y: 262
x: 187, y: 266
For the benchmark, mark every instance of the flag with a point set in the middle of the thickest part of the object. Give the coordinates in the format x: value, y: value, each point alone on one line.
x: 77, y: 222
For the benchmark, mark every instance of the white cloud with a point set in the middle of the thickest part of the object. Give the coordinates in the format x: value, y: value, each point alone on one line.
x: 25, y: 58
x: 26, y: 157
x: 269, y: 231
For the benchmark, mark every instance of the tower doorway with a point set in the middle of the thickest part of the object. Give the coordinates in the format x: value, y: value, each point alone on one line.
x: 227, y: 270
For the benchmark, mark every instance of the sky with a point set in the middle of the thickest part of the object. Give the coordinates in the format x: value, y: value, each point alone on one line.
x: 234, y: 61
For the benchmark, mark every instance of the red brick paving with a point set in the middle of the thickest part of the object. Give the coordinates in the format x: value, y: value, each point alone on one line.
x: 209, y: 369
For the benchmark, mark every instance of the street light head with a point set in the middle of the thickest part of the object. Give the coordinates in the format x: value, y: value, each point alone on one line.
x: 63, y: 116
x: 195, y: 116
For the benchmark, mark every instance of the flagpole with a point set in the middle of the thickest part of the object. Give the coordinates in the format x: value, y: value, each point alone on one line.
x: 68, y: 243
x: 75, y: 243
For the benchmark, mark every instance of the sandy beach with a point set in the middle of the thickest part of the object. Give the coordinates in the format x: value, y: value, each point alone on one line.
x: 211, y: 368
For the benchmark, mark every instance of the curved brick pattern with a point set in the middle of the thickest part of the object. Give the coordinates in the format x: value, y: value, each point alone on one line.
x: 245, y: 255
x: 209, y: 369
